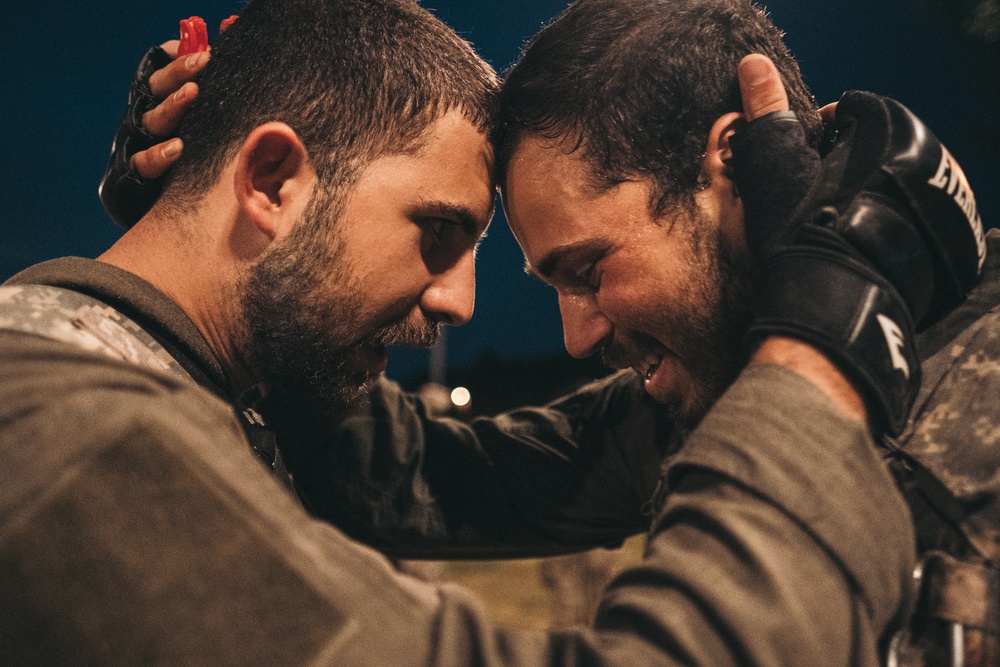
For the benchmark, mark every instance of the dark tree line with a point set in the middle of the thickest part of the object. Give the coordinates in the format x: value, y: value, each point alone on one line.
x: 975, y: 26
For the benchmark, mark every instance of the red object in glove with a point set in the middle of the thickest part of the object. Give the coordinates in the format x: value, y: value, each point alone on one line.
x: 194, y: 36
x: 227, y: 22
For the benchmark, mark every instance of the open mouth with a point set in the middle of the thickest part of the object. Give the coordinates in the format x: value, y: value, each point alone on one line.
x: 648, y: 365
x: 659, y: 369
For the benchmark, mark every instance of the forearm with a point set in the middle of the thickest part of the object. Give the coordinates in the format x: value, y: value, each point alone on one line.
x: 816, y: 367
x: 781, y: 541
x: 779, y: 504
x: 568, y: 476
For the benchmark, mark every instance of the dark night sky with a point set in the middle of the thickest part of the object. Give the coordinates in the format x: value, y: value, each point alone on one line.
x: 66, y: 71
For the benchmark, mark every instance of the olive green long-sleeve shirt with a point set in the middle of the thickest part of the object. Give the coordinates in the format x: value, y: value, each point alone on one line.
x: 136, y: 527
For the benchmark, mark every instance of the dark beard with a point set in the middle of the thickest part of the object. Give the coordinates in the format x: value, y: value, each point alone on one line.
x: 707, y: 331
x: 726, y: 349
x: 301, y: 341
x: 307, y: 378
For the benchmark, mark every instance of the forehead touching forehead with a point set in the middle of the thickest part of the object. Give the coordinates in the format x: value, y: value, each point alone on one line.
x: 446, y: 179
x: 560, y: 214
x: 537, y: 154
x: 453, y: 171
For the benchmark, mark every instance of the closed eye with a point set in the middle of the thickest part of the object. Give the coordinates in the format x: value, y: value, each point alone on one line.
x: 574, y: 266
x: 439, y: 228
x: 586, y: 279
x: 445, y: 241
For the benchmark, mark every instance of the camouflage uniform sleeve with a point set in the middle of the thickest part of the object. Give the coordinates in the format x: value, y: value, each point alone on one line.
x: 946, y: 461
x: 953, y: 434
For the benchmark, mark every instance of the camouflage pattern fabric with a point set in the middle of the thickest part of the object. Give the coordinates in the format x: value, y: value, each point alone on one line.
x: 79, y: 320
x: 947, y: 464
x: 955, y: 431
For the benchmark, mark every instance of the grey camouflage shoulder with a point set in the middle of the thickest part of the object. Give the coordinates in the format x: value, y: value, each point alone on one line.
x: 80, y: 320
x: 955, y: 428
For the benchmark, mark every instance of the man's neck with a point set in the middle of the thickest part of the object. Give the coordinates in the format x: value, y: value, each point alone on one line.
x: 195, y: 275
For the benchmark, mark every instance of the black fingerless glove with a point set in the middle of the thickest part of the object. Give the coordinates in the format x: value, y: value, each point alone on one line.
x: 884, y: 235
x: 125, y: 195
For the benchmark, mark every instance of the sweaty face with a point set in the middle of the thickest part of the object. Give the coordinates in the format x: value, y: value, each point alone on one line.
x: 323, y: 303
x: 665, y: 296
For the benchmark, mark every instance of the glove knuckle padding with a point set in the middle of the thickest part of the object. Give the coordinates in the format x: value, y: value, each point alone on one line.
x: 125, y: 195
x: 881, y: 232
x: 903, y: 202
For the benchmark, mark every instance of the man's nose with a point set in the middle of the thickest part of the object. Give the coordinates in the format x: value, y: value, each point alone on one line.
x: 451, y: 296
x: 585, y: 329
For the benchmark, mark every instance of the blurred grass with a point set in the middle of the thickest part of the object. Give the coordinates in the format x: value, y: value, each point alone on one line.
x: 513, y: 590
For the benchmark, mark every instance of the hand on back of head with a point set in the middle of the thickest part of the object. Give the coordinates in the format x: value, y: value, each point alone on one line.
x: 858, y: 248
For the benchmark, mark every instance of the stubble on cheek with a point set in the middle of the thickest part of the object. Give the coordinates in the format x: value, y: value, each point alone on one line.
x: 704, y: 328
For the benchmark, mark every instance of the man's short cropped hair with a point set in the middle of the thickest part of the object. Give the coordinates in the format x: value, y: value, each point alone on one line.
x: 636, y: 86
x: 356, y: 79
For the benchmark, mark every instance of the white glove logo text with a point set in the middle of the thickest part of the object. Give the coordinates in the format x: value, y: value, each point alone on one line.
x: 894, y: 339
x: 951, y: 179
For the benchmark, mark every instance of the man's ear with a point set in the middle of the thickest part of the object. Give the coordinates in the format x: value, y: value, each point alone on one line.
x: 718, y: 151
x: 274, y: 178
x: 722, y: 196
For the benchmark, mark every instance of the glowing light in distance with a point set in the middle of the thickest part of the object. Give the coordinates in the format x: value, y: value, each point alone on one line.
x: 460, y: 397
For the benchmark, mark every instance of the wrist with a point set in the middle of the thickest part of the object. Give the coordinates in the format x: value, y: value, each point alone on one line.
x: 815, y: 366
